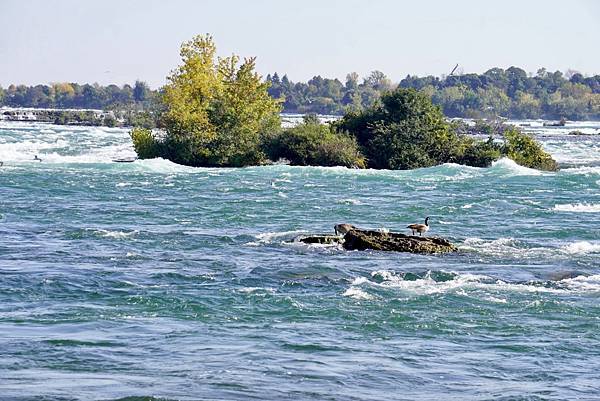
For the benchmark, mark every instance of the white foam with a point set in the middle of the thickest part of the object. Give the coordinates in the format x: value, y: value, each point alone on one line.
x: 510, y: 166
x: 511, y: 248
x: 350, y: 201
x: 474, y: 285
x: 116, y: 234
x: 250, y: 290
x: 357, y: 293
x: 70, y: 144
x: 582, y: 247
x: 497, y: 247
x: 273, y: 237
x: 426, y: 285
x: 578, y: 207
x: 583, y: 170
x: 163, y: 166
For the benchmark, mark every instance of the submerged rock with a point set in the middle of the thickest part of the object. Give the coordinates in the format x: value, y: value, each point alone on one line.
x: 361, y: 240
x: 321, y: 239
x: 578, y: 133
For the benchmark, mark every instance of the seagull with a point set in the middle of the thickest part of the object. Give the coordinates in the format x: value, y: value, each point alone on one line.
x: 420, y: 228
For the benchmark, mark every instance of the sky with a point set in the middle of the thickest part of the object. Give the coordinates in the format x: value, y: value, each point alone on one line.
x: 120, y: 41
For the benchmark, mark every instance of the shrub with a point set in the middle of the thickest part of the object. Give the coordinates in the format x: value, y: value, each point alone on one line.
x: 109, y: 121
x: 314, y: 144
x: 526, y: 151
x: 404, y: 131
x: 478, y: 153
x: 144, y: 143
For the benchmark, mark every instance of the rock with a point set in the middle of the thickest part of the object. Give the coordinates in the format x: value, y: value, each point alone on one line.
x: 321, y: 239
x: 361, y: 240
x: 578, y: 133
x: 380, y: 241
x: 564, y: 275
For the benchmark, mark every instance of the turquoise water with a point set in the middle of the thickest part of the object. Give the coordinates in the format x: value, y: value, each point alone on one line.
x: 150, y: 279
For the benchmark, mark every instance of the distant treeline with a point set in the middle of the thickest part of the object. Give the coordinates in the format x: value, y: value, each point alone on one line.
x: 508, y: 93
x: 512, y: 93
x: 66, y: 95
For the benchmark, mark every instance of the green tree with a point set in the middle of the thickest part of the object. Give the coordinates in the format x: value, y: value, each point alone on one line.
x: 525, y: 106
x: 141, y: 92
x: 216, y: 110
x: 526, y: 151
x: 405, y: 131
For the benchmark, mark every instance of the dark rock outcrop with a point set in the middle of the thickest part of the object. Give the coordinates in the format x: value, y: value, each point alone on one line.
x: 380, y: 241
x: 361, y: 240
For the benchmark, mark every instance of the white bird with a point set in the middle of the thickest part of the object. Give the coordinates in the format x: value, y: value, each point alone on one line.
x: 420, y: 228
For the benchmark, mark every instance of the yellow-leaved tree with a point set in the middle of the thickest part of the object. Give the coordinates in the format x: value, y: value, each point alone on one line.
x: 216, y: 111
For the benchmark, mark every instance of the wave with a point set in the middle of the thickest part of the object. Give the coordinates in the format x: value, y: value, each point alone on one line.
x: 274, y: 237
x: 357, y: 293
x: 350, y: 201
x: 581, y: 248
x: 160, y: 165
x: 442, y: 172
x: 512, y: 248
x: 510, y: 167
x: 582, y: 170
x: 101, y: 233
x: 578, y: 208
x: 467, y: 284
x: 115, y: 234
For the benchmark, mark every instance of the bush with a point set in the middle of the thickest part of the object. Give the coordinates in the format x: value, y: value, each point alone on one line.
x: 109, y: 121
x: 314, y: 144
x: 526, y: 151
x: 478, y: 153
x: 144, y: 143
x: 520, y: 147
x: 404, y: 131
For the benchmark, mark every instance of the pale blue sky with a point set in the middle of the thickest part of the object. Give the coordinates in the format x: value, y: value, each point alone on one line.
x: 119, y: 41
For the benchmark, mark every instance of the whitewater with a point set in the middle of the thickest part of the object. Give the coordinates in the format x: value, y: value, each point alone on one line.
x: 150, y: 280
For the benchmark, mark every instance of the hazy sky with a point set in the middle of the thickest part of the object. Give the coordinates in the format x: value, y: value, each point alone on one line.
x: 120, y: 41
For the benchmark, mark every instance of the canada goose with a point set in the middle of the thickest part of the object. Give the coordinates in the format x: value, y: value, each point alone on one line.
x: 420, y: 228
x: 36, y: 158
x: 343, y: 228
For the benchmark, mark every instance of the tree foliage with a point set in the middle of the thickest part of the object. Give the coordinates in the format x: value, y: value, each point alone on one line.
x: 328, y: 96
x: 314, y: 144
x: 526, y: 151
x: 513, y: 93
x: 497, y: 92
x: 73, y: 95
x: 404, y: 131
x: 216, y: 109
x: 407, y: 131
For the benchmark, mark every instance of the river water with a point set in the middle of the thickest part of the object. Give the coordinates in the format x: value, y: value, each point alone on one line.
x: 150, y: 279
